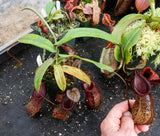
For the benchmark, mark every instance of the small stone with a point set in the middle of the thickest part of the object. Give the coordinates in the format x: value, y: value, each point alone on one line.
x: 116, y: 86
x: 5, y: 103
x: 60, y: 134
x: 80, y: 114
x: 82, y: 130
x: 7, y: 97
x: 86, y: 119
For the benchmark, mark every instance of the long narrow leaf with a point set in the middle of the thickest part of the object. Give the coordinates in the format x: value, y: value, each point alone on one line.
x: 87, y: 32
x: 60, y: 77
x: 101, y: 66
x: 117, y: 53
x: 123, y: 23
x: 129, y: 39
x: 38, y: 41
x: 40, y: 73
x: 76, y: 72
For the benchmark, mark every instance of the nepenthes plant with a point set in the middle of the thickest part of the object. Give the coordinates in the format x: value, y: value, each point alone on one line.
x: 57, y: 67
x: 124, y: 37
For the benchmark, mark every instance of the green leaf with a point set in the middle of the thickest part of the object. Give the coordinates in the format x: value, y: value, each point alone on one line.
x: 40, y: 73
x: 49, y: 7
x: 76, y: 72
x: 38, y: 41
x: 123, y: 23
x: 60, y: 77
x: 87, y: 32
x: 99, y: 65
x: 129, y: 39
x: 117, y: 53
x: 58, y: 16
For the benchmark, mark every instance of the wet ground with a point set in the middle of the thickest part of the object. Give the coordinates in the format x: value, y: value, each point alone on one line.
x: 16, y: 86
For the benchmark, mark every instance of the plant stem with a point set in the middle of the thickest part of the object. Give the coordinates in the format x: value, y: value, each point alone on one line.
x: 126, y: 91
x: 156, y: 19
x: 124, y: 68
x: 56, y: 55
x: 20, y: 64
x: 66, y: 15
x: 152, y: 6
x: 39, y: 15
x: 47, y: 99
x: 119, y: 67
x: 122, y: 59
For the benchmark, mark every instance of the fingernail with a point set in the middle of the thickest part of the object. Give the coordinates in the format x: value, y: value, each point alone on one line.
x: 146, y: 128
x: 127, y: 113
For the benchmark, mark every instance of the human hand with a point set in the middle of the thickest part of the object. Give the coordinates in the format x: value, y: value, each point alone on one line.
x: 119, y: 122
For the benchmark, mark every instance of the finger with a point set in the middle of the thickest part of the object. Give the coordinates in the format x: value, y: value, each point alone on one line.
x: 120, y: 108
x: 127, y: 124
x: 141, y: 128
x: 137, y: 130
x: 112, y: 120
x: 131, y: 102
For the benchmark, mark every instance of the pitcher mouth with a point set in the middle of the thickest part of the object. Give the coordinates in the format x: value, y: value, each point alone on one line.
x: 67, y: 104
x: 140, y: 85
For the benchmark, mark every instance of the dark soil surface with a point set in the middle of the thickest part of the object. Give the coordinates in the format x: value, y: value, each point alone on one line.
x: 16, y: 86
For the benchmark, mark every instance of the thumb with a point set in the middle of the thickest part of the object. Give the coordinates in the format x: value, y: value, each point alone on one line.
x: 127, y: 124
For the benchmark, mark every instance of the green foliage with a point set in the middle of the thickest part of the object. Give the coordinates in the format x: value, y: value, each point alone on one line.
x: 60, y: 77
x: 87, y: 32
x: 87, y: 1
x: 38, y: 41
x: 129, y: 39
x: 43, y: 20
x: 99, y: 65
x: 58, y: 16
x: 124, y: 39
x: 40, y: 73
x: 124, y: 23
x: 76, y: 72
x: 49, y: 7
